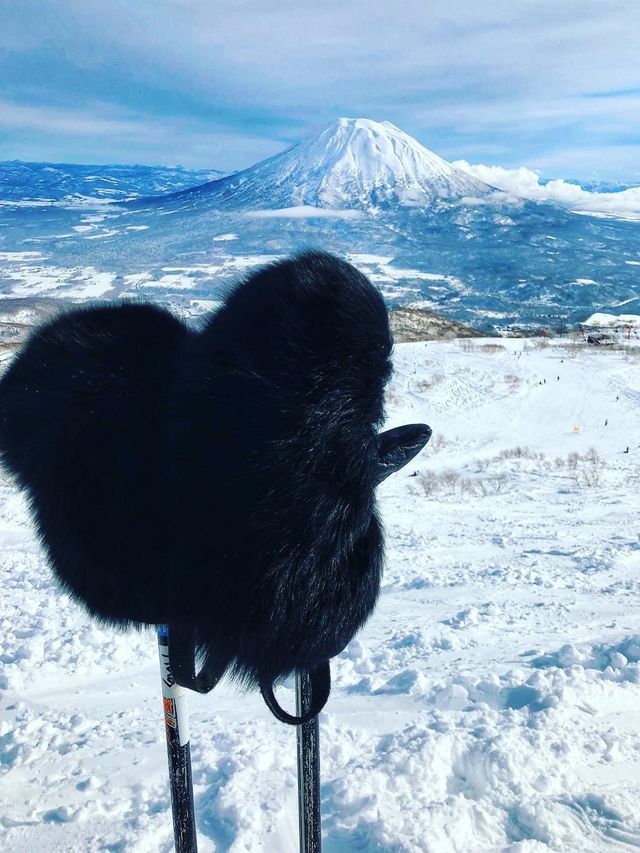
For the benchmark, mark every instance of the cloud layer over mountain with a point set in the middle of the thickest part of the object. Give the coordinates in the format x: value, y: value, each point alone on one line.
x: 525, y: 183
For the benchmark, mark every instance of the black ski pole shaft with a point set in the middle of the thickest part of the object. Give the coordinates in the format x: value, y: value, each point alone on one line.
x: 308, y: 736
x: 176, y: 721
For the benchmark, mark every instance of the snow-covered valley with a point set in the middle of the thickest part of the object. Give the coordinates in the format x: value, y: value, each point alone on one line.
x: 430, y: 234
x: 491, y: 703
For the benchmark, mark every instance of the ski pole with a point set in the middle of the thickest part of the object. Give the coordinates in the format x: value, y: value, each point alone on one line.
x: 176, y: 721
x: 308, y: 737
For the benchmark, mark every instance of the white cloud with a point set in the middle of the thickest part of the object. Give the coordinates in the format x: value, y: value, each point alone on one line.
x: 527, y: 77
x: 304, y: 212
x: 525, y: 183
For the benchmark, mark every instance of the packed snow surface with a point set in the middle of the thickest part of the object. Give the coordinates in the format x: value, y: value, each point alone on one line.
x: 492, y: 703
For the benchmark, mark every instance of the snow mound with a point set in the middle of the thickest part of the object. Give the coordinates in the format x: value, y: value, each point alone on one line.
x: 613, y: 320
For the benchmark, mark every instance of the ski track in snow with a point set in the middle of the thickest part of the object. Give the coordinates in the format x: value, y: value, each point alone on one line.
x: 491, y: 703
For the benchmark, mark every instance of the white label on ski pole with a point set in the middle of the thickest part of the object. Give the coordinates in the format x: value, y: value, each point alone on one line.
x: 174, y: 699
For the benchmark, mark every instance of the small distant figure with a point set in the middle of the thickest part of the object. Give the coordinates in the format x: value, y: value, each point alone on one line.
x: 606, y: 423
x: 617, y: 398
x: 544, y: 381
x: 558, y: 379
x: 627, y: 450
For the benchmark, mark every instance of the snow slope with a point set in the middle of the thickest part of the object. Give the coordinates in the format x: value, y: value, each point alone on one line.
x: 491, y: 704
x: 353, y: 164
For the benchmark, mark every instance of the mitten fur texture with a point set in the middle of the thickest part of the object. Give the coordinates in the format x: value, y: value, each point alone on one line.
x: 220, y: 480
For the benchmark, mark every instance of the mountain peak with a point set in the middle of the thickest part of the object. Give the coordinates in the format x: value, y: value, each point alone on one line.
x: 352, y: 163
x: 366, y: 124
x: 367, y: 163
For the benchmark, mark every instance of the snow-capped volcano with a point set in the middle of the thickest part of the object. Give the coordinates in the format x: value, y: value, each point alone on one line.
x: 369, y: 162
x: 353, y: 163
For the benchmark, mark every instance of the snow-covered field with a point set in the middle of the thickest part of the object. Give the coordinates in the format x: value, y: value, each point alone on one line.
x: 493, y: 701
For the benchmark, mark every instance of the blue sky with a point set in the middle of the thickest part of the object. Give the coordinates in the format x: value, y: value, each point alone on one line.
x: 553, y: 85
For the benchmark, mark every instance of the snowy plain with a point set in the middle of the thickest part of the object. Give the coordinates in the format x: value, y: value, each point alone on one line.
x: 492, y: 703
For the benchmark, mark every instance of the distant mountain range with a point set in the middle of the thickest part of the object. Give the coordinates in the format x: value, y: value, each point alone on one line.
x: 429, y: 235
x: 43, y: 183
